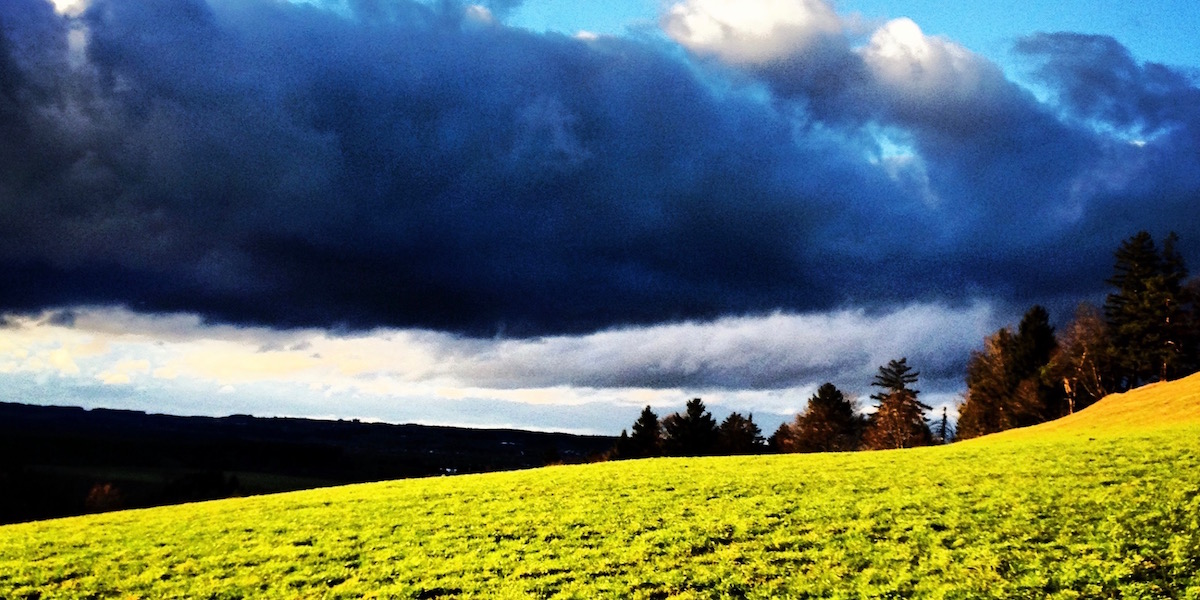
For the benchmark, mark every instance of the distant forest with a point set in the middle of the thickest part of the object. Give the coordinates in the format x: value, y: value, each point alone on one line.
x: 1147, y: 330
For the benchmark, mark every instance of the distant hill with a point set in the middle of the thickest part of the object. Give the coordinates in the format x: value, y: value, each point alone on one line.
x: 52, y: 458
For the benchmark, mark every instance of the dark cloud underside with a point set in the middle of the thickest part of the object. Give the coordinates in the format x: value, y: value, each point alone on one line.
x: 261, y: 162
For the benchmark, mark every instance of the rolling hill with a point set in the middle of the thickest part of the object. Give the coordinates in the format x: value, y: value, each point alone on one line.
x: 1105, y: 503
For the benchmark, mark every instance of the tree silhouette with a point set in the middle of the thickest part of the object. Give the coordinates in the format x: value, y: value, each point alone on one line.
x: 1009, y: 382
x: 897, y: 375
x: 782, y: 441
x: 899, y: 419
x: 646, y: 439
x: 828, y: 424
x: 1147, y: 315
x: 739, y: 435
x: 623, y: 448
x: 944, y: 432
x: 692, y: 433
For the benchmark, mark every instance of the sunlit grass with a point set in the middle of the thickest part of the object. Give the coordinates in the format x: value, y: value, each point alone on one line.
x: 1102, y: 504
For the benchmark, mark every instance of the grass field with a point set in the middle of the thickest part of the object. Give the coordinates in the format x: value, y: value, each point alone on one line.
x: 1102, y: 504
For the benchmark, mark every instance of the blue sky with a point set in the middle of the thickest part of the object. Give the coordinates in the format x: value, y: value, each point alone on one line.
x: 1161, y: 31
x: 466, y: 214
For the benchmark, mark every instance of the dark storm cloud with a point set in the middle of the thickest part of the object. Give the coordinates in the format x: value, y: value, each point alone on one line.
x: 1097, y: 78
x: 1030, y: 197
x: 402, y: 165
x: 1151, y: 168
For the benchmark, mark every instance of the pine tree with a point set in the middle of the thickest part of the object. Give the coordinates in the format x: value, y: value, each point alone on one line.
x: 899, y: 422
x: 1146, y: 315
x: 894, y: 377
x: 782, y: 441
x: 692, y: 433
x: 646, y: 439
x: 623, y: 448
x: 944, y: 433
x: 899, y: 419
x: 828, y: 424
x: 739, y: 435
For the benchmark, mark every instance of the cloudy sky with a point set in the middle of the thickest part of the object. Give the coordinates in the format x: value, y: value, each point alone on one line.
x: 548, y: 214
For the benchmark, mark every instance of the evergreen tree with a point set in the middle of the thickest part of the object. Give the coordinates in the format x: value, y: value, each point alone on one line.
x: 828, y: 424
x: 1190, y: 347
x: 692, y: 433
x: 739, y: 435
x: 1033, y: 348
x: 1147, y: 314
x: 646, y: 439
x: 894, y: 377
x: 782, y: 441
x: 623, y: 448
x: 943, y: 433
x: 898, y: 422
x: 899, y: 419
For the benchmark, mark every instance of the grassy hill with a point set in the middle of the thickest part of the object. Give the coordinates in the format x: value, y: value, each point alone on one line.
x: 1103, y: 504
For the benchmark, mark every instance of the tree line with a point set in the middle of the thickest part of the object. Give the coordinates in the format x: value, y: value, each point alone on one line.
x: 831, y: 422
x: 1148, y: 330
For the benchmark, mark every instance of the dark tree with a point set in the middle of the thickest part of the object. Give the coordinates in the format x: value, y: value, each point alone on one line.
x: 943, y: 433
x: 739, y: 435
x: 1147, y: 315
x: 623, y: 448
x: 104, y: 497
x: 828, y: 424
x: 692, y: 433
x: 988, y: 405
x: 1033, y: 348
x: 782, y: 441
x: 1009, y: 383
x: 1190, y: 300
x: 894, y: 377
x: 646, y: 439
x: 899, y: 419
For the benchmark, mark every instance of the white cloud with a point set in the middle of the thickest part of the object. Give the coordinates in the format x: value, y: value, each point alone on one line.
x: 753, y: 31
x: 123, y: 372
x: 60, y: 359
x: 71, y: 8
x: 805, y: 45
x: 479, y: 14
x: 767, y: 364
x: 773, y: 351
x: 903, y: 58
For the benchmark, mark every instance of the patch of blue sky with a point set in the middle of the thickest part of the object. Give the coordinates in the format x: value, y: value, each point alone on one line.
x: 614, y: 17
x: 1162, y: 31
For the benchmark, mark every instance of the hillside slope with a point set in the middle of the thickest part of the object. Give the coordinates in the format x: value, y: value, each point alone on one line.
x: 1157, y: 406
x: 1055, y: 512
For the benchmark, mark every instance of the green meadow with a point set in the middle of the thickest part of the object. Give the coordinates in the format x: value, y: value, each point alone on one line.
x: 1105, y: 503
